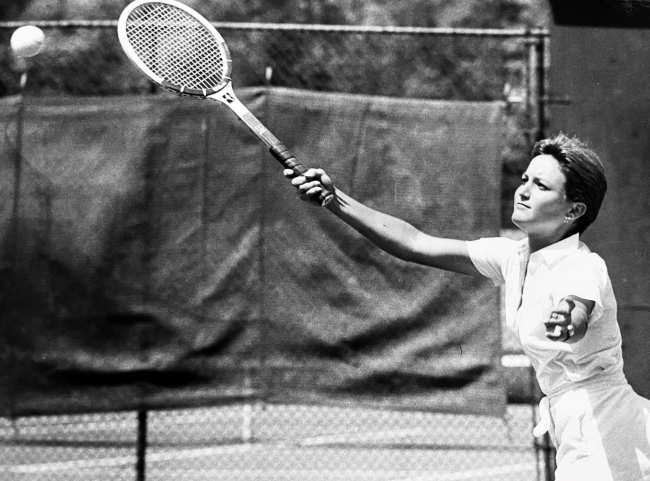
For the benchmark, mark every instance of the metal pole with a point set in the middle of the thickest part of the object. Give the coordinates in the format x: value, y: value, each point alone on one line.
x: 536, y: 445
x: 530, y: 92
x: 14, y: 254
x: 540, y: 50
x: 141, y: 447
x: 18, y: 159
x: 542, y: 125
x: 549, y: 458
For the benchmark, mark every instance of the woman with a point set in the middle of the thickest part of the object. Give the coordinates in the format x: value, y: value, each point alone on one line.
x: 559, y: 304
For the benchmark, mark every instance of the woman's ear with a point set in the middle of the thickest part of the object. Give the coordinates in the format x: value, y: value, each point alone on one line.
x: 578, y: 209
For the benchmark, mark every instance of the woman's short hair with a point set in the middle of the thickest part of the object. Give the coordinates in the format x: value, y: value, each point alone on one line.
x: 584, y: 173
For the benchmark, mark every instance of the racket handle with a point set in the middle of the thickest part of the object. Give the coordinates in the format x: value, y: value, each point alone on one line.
x: 286, y: 158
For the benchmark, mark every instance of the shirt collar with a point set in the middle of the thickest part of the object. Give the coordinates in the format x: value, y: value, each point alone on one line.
x: 556, y: 251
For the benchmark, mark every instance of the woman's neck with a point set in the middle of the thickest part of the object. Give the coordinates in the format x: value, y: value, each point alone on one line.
x: 536, y: 243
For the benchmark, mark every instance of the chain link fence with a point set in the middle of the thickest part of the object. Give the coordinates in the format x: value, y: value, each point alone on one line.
x: 279, y: 442
x: 289, y: 442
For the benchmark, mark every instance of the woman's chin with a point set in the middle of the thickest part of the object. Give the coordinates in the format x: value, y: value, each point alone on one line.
x: 519, y: 223
x: 516, y: 220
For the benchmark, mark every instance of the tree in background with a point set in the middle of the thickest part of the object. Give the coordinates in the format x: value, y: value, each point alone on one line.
x: 89, y: 62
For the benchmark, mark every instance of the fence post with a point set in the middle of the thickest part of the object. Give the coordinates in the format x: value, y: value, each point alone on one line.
x: 542, y: 96
x: 549, y: 458
x: 141, y: 446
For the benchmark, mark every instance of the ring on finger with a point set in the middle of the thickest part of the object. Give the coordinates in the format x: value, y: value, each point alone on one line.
x: 570, y: 331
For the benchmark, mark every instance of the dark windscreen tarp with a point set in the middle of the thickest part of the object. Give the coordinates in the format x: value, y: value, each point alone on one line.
x: 157, y: 257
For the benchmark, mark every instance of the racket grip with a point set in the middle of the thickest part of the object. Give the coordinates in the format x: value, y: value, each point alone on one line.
x: 286, y: 158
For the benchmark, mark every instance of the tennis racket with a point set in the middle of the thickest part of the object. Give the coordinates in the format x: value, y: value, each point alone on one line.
x: 179, y: 50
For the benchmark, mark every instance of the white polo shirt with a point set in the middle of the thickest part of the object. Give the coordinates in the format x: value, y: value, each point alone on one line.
x: 534, y: 285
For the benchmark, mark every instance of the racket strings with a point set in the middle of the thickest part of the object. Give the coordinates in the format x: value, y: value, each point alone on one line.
x: 176, y: 46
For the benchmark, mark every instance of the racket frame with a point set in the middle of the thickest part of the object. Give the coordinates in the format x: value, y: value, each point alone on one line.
x: 154, y: 77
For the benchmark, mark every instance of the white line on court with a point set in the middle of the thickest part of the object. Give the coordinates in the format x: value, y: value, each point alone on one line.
x: 474, y: 473
x: 125, y: 461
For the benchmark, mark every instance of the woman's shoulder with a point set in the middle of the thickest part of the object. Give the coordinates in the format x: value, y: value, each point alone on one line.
x: 508, y: 239
x: 501, y: 245
x: 585, y: 258
x: 493, y: 256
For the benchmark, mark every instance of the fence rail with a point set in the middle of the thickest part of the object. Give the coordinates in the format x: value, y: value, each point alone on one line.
x: 535, y: 33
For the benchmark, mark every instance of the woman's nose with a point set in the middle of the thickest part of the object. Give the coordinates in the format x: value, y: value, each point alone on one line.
x: 522, y: 191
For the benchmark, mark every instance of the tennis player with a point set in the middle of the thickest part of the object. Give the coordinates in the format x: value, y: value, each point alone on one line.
x: 559, y: 304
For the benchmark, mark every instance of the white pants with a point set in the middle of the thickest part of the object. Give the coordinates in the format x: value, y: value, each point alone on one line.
x: 602, y: 433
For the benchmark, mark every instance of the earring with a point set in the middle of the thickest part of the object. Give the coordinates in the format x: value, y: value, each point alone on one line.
x: 567, y: 219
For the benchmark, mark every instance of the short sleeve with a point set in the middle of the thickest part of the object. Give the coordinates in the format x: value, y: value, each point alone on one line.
x: 490, y: 256
x: 584, y: 276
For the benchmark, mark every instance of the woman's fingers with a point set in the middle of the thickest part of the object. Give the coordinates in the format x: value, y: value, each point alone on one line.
x: 558, y: 326
x: 309, y: 184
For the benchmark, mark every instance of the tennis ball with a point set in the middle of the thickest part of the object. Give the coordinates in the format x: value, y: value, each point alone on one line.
x: 27, y: 41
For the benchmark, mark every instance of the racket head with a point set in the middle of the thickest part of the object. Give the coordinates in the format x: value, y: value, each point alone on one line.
x: 175, y: 47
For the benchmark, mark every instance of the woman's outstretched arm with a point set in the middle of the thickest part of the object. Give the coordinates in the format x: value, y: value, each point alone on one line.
x: 393, y: 235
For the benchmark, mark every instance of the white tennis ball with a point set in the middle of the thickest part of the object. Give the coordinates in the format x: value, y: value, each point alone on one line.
x: 27, y: 41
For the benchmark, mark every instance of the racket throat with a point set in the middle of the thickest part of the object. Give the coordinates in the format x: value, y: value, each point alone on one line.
x: 281, y: 153
x: 227, y: 96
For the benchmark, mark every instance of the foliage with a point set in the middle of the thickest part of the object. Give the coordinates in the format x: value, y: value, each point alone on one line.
x: 88, y: 62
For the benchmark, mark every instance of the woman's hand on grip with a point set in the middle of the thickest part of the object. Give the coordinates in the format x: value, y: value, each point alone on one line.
x: 310, y: 184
